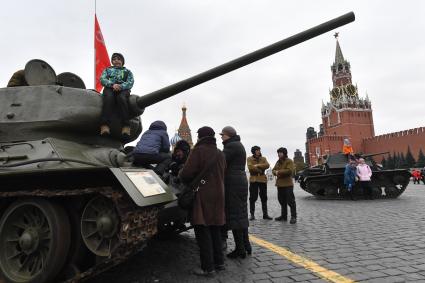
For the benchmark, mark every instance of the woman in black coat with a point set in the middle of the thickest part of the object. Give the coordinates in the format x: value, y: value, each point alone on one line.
x: 236, y: 192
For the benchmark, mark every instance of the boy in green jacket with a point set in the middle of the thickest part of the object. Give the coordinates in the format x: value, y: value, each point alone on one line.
x: 117, y: 81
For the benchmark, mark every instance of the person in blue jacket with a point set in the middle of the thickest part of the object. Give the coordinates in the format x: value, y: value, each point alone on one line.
x: 153, y: 148
x: 350, y: 177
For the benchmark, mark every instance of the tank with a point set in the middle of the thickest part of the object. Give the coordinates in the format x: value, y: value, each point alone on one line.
x: 71, y: 203
x: 327, y: 180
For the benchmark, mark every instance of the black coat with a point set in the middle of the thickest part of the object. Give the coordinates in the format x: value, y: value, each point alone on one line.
x: 235, y: 184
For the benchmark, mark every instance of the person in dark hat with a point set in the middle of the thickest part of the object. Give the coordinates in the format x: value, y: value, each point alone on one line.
x: 207, y: 214
x: 236, y: 192
x: 180, y: 154
x: 117, y: 82
x: 257, y: 165
x: 284, y: 170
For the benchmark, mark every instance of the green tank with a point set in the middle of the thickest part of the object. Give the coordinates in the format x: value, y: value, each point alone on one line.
x: 327, y: 181
x: 71, y: 204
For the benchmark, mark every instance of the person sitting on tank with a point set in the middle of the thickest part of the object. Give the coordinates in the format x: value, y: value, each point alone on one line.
x: 17, y: 79
x: 117, y: 81
x: 347, y: 149
x: 153, y: 148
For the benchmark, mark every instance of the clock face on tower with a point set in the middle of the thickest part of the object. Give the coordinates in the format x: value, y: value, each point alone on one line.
x: 335, y: 93
x: 351, y: 90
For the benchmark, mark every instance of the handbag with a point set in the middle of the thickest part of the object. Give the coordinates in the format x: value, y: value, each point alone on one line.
x: 188, y: 192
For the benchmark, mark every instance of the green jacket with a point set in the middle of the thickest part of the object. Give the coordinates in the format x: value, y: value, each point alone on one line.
x: 284, y: 170
x: 256, y: 169
x: 117, y: 75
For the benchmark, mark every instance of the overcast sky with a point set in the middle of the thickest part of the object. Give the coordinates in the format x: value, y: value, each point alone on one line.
x: 271, y: 102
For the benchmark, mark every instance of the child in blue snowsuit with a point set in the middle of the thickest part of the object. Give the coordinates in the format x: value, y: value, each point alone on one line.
x: 350, y: 177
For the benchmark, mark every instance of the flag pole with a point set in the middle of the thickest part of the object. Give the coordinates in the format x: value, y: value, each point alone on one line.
x: 94, y: 47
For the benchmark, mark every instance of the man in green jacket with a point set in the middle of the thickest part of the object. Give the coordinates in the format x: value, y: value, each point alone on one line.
x: 284, y: 170
x: 257, y: 165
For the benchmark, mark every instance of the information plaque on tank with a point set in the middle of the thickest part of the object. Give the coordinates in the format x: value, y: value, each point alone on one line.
x: 145, y: 183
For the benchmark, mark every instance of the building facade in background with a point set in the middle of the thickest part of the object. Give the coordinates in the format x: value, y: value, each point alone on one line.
x: 348, y: 115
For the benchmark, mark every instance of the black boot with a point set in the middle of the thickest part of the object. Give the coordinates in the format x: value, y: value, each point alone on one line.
x: 238, y: 236
x: 252, y: 210
x: 281, y: 218
x: 265, y: 214
x: 246, y: 242
x: 236, y: 254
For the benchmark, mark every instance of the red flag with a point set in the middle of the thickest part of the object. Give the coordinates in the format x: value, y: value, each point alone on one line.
x: 102, y: 60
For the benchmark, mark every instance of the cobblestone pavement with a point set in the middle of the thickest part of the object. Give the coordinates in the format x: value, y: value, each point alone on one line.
x: 365, y: 240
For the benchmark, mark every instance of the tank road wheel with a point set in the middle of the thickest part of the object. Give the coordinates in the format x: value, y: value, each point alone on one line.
x: 34, y: 241
x: 376, y: 191
x: 100, y: 226
x: 391, y: 191
x: 331, y: 191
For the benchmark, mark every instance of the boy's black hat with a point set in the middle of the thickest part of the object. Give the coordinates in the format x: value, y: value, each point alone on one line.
x: 119, y: 55
x: 283, y: 150
x: 254, y: 148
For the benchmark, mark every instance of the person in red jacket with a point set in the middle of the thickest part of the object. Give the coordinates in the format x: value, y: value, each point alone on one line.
x: 416, y: 176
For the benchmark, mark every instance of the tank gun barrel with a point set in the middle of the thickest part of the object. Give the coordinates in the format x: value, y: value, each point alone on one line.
x: 374, y: 154
x: 242, y: 61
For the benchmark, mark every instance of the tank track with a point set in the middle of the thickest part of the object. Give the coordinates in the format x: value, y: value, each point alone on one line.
x: 137, y: 225
x: 385, y: 185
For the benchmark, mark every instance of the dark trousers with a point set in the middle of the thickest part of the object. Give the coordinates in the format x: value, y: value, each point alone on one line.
x: 286, y: 197
x: 162, y: 160
x: 246, y: 242
x: 115, y: 102
x: 255, y: 189
x: 241, y: 238
x: 367, y: 189
x: 210, y: 248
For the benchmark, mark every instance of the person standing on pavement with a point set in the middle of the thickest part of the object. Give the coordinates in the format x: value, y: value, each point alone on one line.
x: 423, y: 175
x: 236, y: 192
x: 284, y: 170
x: 365, y: 173
x: 207, y: 215
x: 257, y: 165
x: 350, y: 177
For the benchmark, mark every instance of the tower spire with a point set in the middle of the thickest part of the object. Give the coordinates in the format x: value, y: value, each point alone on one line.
x: 339, y: 58
x: 184, y: 129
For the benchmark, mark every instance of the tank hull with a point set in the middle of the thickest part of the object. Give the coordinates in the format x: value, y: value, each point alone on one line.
x: 384, y: 183
x: 107, y: 214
